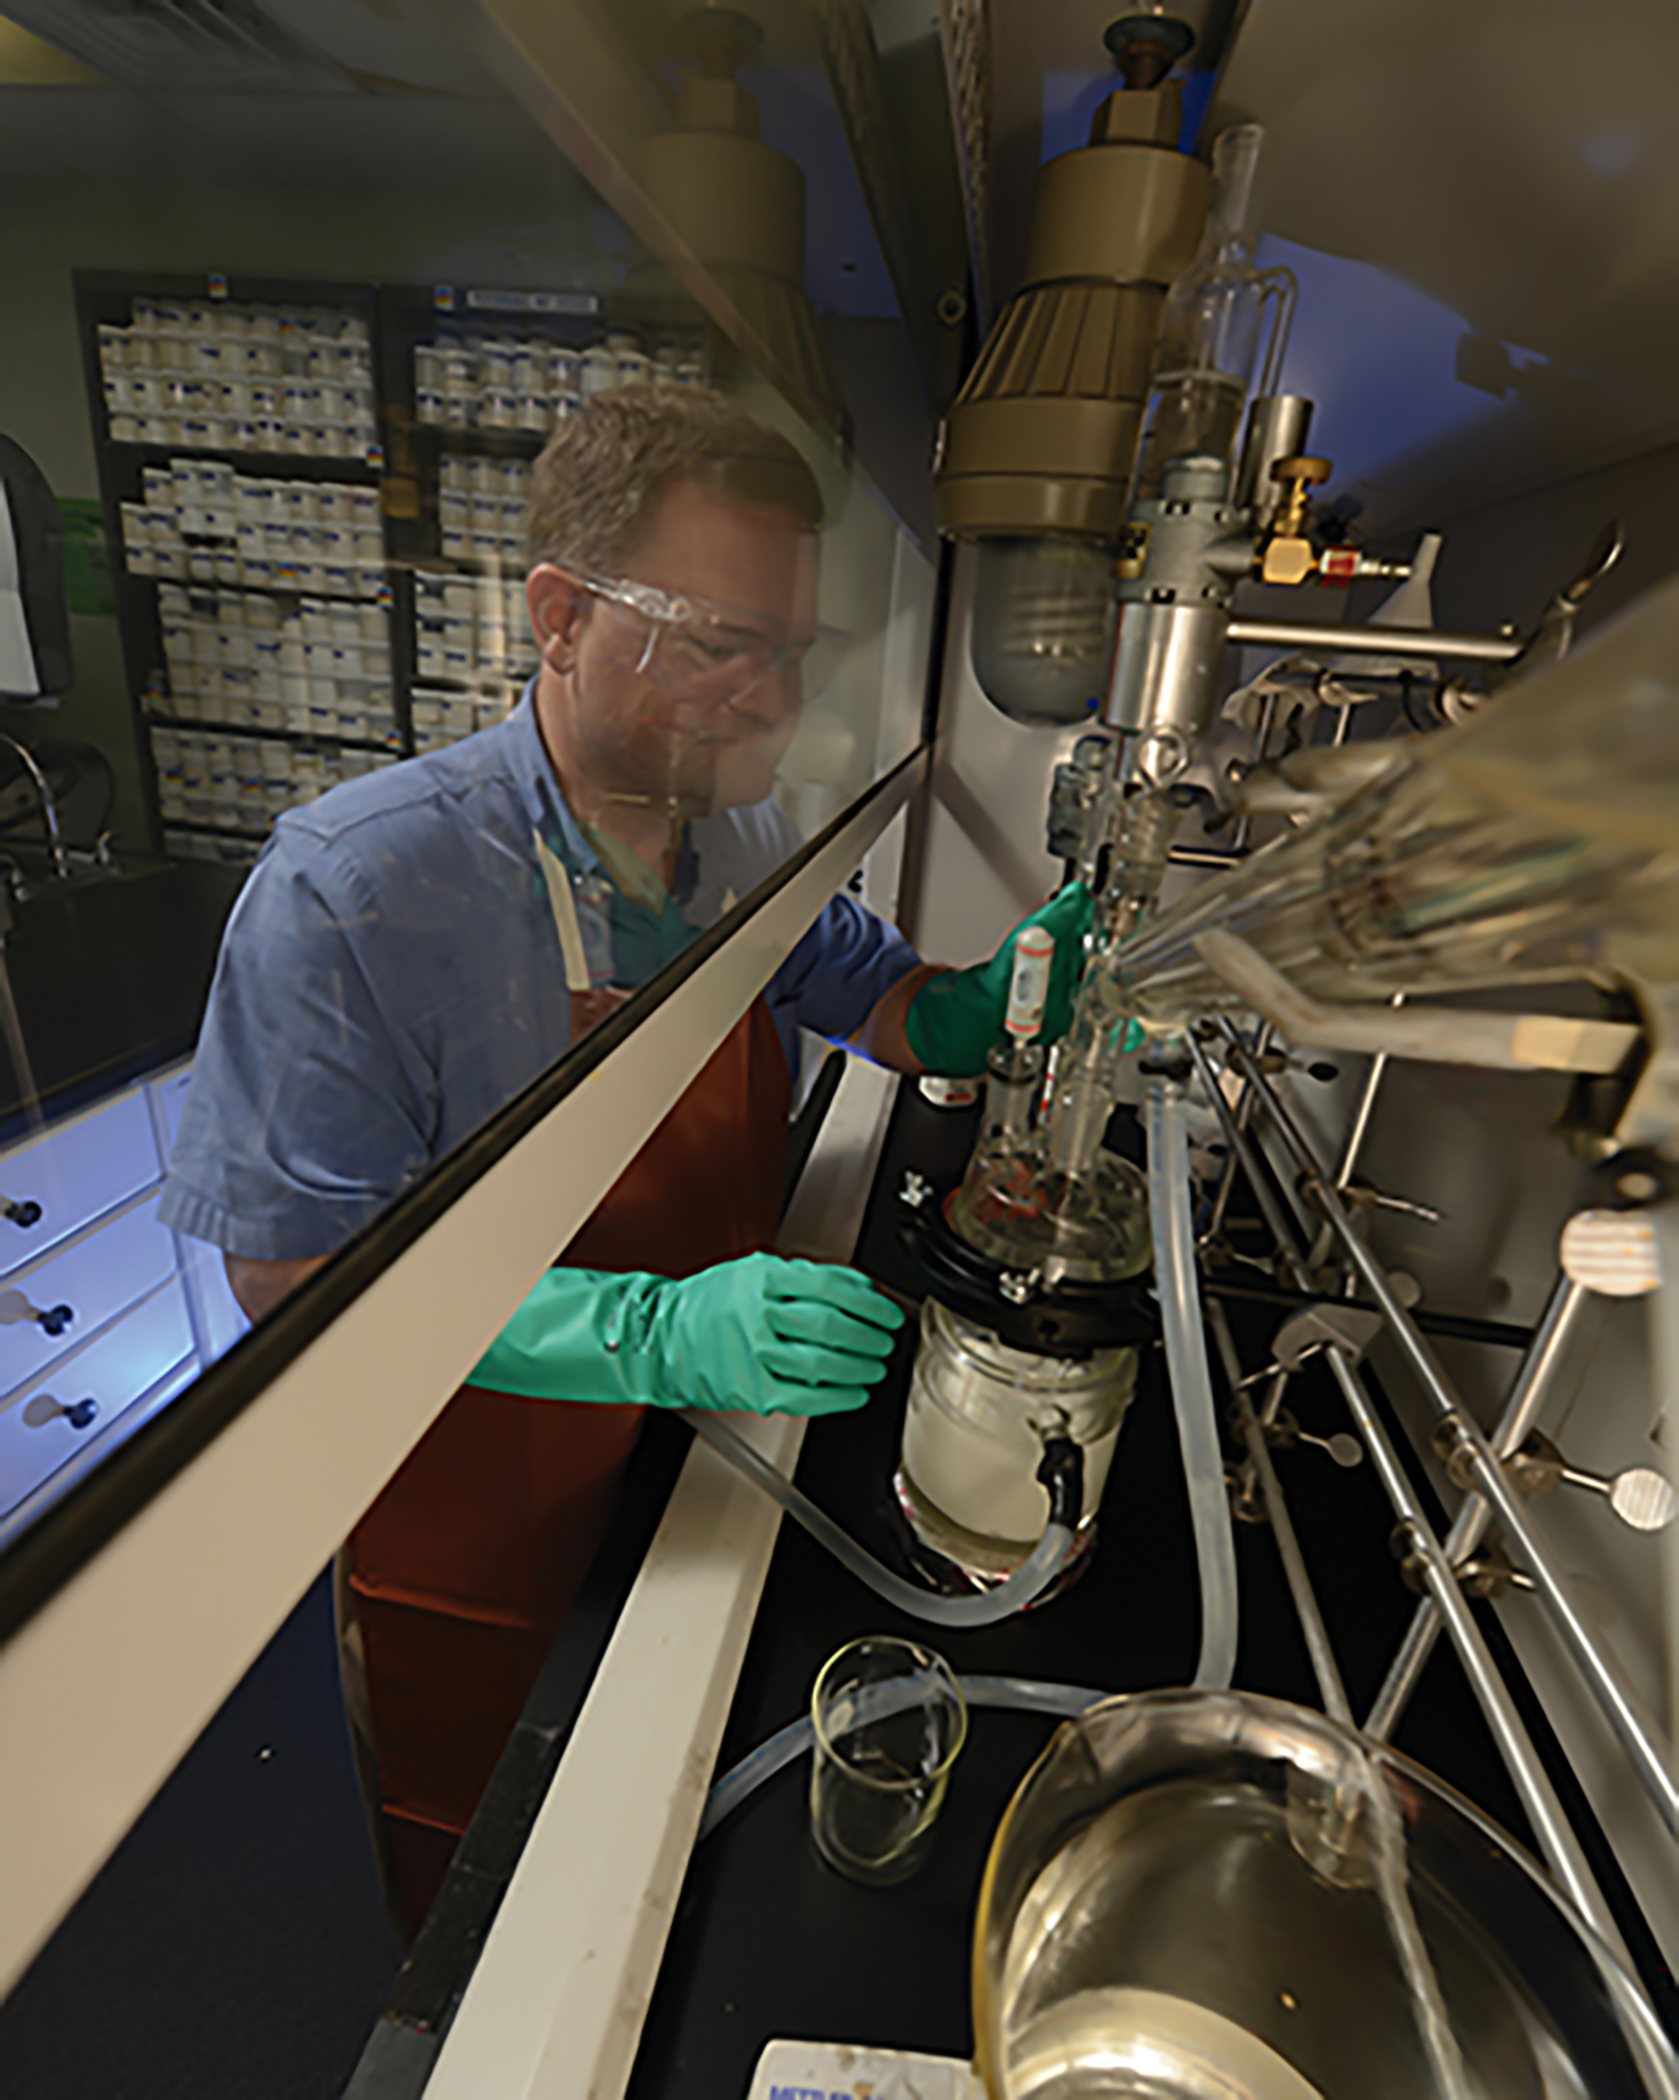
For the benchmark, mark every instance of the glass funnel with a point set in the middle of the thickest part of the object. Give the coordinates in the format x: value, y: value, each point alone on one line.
x: 1210, y: 1895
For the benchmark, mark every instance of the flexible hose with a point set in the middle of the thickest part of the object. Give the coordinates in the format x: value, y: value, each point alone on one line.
x: 877, y: 1703
x: 1192, y: 1391
x: 1029, y: 1581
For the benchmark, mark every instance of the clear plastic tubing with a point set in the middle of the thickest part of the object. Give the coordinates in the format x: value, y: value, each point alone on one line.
x: 1029, y: 1581
x: 1192, y: 1391
x: 1014, y: 1694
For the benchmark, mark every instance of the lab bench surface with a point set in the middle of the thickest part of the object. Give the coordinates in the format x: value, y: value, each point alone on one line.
x: 767, y: 1941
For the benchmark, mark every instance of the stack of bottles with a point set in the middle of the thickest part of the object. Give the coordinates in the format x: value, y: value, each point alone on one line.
x: 501, y: 384
x: 311, y: 667
x: 219, y: 795
x: 201, y: 522
x: 481, y: 510
x: 217, y: 376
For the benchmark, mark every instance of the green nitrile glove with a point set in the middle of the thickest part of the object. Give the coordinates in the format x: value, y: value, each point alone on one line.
x: 771, y: 1336
x: 956, y: 1017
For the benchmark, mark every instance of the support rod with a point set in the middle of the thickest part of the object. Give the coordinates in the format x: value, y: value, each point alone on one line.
x: 1242, y: 1149
x: 1227, y: 1180
x: 1374, y: 641
x: 1557, y: 1327
x: 1551, y: 1827
x: 1364, y: 1113
x: 1544, y: 1811
x: 1318, y: 1646
x: 1601, y: 1676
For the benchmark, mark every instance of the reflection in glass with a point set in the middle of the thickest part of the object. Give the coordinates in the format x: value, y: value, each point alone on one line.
x: 309, y: 587
x: 489, y: 605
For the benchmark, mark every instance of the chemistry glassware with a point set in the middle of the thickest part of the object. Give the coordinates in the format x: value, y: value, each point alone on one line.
x: 889, y: 1720
x: 1017, y: 1206
x: 973, y: 1438
x: 1200, y: 1893
x: 1538, y: 841
x: 1212, y: 328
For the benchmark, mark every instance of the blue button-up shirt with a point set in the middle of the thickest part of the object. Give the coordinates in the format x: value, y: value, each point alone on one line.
x: 392, y: 975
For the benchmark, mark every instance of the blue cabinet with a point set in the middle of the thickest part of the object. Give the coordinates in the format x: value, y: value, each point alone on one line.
x: 105, y: 1315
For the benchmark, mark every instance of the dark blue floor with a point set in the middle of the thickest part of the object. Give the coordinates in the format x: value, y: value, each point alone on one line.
x: 235, y: 1946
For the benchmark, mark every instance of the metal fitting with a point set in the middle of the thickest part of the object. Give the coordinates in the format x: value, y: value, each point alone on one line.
x: 1407, y: 1544
x: 914, y: 1190
x: 1490, y: 1573
x: 1454, y: 1446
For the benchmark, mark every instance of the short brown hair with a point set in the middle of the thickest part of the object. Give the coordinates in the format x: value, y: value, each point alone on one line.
x: 600, y: 475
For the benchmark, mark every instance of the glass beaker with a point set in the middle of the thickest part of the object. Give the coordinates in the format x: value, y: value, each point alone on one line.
x: 889, y: 1719
x: 1212, y: 1892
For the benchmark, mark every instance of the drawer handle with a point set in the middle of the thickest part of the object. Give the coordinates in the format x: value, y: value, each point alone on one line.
x: 15, y: 1308
x: 43, y: 1409
x: 25, y: 1214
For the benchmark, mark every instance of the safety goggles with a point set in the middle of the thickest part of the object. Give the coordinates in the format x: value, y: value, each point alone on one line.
x: 714, y: 654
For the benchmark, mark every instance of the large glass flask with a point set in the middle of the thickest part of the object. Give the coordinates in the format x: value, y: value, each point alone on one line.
x: 1199, y: 1894
x: 1213, y: 340
x: 972, y: 1445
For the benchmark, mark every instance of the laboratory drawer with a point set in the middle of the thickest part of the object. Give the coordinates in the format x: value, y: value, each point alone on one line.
x: 81, y: 1397
x: 76, y: 1171
x: 216, y: 1312
x: 57, y: 1303
x: 169, y: 1096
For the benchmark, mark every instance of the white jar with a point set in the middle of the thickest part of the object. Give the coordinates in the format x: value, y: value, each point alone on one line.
x: 971, y: 1450
x: 600, y: 370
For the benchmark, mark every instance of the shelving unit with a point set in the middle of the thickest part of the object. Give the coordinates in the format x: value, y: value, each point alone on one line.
x: 318, y: 495
x: 240, y: 464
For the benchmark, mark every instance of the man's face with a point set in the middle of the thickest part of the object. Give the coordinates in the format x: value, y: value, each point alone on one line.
x: 675, y: 715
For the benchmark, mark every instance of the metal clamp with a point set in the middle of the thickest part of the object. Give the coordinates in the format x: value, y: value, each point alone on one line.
x: 1284, y: 1431
x: 1491, y: 1573
x: 1349, y: 1328
x: 1639, y: 1495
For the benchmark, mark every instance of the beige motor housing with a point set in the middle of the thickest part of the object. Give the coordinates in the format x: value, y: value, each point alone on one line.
x: 1040, y: 439
x: 738, y: 206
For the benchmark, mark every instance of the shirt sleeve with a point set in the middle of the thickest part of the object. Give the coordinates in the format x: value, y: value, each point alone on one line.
x: 308, y: 1110
x: 848, y: 960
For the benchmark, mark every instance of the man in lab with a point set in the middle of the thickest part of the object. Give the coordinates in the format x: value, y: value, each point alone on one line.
x: 416, y: 947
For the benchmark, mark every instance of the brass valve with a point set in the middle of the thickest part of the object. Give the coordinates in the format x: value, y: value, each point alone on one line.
x: 1295, y: 475
x: 1287, y: 555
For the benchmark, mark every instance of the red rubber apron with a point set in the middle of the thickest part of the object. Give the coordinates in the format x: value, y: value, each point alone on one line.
x: 463, y: 1569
